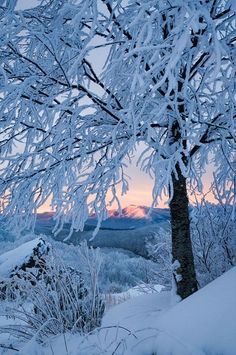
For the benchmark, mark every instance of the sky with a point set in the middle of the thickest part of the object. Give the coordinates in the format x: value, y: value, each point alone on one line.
x: 140, y: 187
x: 140, y: 191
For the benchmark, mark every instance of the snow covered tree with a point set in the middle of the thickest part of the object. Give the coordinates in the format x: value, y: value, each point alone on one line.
x: 213, y: 236
x: 67, y: 125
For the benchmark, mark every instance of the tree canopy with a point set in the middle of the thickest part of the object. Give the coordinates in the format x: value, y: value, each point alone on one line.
x: 67, y: 125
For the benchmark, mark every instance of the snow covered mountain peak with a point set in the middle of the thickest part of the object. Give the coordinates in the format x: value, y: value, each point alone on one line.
x: 131, y: 211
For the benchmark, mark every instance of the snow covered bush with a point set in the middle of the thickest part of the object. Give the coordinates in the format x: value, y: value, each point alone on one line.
x: 121, y: 270
x: 159, y: 250
x: 62, y: 300
x: 214, y: 242
x: 213, y: 238
x: 27, y: 259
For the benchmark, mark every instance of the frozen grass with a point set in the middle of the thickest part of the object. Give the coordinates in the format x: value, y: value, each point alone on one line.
x: 203, y: 324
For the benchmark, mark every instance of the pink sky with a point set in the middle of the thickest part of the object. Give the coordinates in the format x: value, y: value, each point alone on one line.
x: 140, y: 189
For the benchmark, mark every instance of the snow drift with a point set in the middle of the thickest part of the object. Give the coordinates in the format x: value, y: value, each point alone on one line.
x: 204, y: 323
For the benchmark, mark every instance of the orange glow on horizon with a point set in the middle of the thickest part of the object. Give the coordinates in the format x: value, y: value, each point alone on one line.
x: 140, y: 192
x: 141, y: 184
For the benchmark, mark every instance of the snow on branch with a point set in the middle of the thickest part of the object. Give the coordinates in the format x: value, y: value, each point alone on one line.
x: 67, y: 125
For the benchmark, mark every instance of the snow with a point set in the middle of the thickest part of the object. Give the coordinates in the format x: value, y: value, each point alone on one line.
x: 138, y: 322
x: 139, y: 312
x: 204, y: 323
x: 143, y: 288
x: 18, y: 256
x: 136, y: 291
x: 232, y: 3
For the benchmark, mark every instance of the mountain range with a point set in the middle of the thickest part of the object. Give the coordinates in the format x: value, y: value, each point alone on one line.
x: 128, y: 230
x: 131, y: 217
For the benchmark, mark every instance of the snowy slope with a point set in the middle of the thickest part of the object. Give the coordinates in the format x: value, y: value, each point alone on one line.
x: 204, y: 323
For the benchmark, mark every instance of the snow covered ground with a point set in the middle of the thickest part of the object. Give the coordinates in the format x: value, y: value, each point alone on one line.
x: 203, y: 324
x: 141, y: 320
x: 136, y: 291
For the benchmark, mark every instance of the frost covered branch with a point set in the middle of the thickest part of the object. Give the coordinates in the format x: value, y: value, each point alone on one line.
x: 67, y: 125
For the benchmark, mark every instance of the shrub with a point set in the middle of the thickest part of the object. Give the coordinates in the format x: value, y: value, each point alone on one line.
x: 59, y: 302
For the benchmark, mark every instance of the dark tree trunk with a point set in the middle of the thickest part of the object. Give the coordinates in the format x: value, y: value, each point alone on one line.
x: 182, y: 253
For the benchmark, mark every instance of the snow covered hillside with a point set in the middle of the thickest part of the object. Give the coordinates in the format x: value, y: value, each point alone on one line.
x: 202, y: 324
x: 128, y: 231
x: 145, y: 323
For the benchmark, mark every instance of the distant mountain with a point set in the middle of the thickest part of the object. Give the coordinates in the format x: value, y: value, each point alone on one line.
x: 131, y: 211
x: 139, y: 212
x: 45, y: 216
x: 128, y: 230
x: 131, y: 217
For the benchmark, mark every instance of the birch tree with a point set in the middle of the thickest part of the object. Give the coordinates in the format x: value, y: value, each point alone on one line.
x: 67, y: 126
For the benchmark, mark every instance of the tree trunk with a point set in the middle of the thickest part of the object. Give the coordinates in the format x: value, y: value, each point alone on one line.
x: 182, y: 254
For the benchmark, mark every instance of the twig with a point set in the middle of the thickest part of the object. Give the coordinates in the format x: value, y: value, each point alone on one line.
x: 9, y: 347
